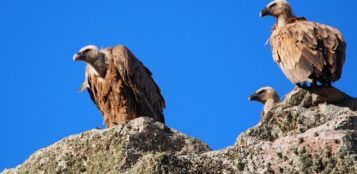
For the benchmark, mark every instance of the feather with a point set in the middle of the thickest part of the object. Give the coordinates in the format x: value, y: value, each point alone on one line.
x: 127, y: 91
x: 308, y: 51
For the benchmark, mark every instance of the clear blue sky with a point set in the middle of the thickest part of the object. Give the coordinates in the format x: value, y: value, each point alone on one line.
x: 207, y: 58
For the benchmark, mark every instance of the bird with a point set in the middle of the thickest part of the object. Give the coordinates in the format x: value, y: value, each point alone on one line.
x: 306, y: 52
x: 120, y: 85
x: 267, y: 96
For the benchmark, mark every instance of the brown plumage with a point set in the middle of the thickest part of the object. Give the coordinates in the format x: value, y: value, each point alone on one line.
x: 120, y: 85
x: 267, y: 96
x: 305, y: 51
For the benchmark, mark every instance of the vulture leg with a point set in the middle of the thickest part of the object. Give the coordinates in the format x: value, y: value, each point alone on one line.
x: 301, y: 85
x: 313, y: 84
x: 327, y: 84
x: 297, y: 84
x: 304, y: 85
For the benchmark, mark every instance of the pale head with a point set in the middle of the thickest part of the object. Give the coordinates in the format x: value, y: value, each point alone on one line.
x: 88, y: 54
x: 264, y: 94
x: 277, y: 8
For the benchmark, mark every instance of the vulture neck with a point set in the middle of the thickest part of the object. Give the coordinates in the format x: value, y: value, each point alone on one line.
x: 99, y: 66
x: 268, y: 105
x: 283, y: 19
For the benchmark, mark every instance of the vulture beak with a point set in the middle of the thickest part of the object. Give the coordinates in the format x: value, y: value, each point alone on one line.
x: 264, y: 12
x: 77, y: 57
x: 254, y: 97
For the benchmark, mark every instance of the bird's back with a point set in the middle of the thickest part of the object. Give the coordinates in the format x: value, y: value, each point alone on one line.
x: 307, y: 51
x: 126, y: 91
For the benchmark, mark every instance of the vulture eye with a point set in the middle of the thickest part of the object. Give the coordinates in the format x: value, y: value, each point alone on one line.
x: 261, y: 92
x: 272, y: 5
x: 85, y: 51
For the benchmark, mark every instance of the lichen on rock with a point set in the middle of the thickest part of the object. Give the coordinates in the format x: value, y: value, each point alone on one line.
x: 307, y: 132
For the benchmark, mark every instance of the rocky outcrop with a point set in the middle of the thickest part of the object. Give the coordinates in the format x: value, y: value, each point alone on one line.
x: 308, y: 132
x: 140, y: 146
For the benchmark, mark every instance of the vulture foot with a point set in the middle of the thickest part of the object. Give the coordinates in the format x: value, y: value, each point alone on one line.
x: 302, y: 85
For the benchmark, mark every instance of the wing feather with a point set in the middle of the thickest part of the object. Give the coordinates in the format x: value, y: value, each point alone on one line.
x: 139, y: 79
x: 127, y: 91
x: 305, y: 51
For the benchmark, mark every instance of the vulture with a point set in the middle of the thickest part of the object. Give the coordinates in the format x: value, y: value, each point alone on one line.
x: 267, y: 96
x: 306, y: 52
x: 120, y: 85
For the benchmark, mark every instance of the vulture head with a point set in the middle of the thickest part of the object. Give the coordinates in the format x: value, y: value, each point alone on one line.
x: 88, y: 54
x: 264, y: 95
x: 91, y: 55
x: 277, y: 8
x: 267, y: 96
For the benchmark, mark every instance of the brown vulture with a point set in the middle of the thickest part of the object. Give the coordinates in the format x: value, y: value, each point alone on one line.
x: 120, y: 85
x: 267, y: 96
x: 305, y: 51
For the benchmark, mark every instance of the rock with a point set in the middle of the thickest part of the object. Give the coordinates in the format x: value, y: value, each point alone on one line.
x: 308, y: 132
x: 316, y: 96
x: 136, y: 146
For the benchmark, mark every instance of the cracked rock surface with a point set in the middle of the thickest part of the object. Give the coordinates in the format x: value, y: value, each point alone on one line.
x: 308, y: 132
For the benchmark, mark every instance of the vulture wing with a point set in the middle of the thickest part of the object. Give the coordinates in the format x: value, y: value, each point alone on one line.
x: 147, y: 95
x: 127, y: 91
x: 307, y: 51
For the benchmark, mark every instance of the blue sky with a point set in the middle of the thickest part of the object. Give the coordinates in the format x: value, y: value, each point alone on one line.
x: 207, y: 57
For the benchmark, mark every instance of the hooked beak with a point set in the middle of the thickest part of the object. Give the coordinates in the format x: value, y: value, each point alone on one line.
x: 77, y: 57
x: 264, y: 12
x: 254, y: 97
